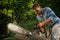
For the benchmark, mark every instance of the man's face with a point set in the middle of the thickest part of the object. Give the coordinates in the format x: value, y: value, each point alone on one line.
x: 37, y: 10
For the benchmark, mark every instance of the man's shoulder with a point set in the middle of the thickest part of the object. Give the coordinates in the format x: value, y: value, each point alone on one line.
x: 46, y: 8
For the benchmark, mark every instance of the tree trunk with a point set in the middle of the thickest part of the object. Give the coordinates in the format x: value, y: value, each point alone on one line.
x: 23, y: 34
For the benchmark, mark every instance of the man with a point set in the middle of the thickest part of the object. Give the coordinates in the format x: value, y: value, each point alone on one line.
x: 46, y: 16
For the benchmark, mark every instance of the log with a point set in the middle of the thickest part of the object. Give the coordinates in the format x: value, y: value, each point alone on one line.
x: 23, y: 34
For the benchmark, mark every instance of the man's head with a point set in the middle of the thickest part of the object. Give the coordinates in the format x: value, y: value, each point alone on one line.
x: 37, y: 8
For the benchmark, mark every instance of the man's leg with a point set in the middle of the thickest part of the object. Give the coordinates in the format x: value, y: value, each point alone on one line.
x: 56, y: 32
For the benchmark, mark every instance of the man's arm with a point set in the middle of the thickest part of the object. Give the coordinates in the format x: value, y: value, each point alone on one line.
x: 51, y: 19
x: 48, y: 21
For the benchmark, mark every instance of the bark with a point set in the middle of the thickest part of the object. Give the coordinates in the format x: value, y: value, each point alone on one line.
x: 23, y: 34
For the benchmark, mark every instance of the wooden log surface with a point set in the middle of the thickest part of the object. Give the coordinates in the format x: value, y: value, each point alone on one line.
x: 23, y: 34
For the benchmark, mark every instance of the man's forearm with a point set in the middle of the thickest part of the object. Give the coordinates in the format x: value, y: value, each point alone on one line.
x: 41, y: 24
x: 48, y: 21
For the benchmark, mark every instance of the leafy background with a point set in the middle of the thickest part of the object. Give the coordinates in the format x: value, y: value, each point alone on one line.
x: 20, y: 12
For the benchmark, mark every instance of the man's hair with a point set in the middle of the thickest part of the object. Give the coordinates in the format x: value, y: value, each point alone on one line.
x: 35, y: 5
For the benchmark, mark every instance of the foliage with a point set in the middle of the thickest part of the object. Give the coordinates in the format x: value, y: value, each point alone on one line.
x: 53, y: 4
x: 20, y: 11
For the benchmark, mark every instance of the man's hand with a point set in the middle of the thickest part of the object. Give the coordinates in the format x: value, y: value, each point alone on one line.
x: 41, y: 24
x: 42, y: 30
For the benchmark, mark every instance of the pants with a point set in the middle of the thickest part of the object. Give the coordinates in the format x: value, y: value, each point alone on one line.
x: 55, y: 32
